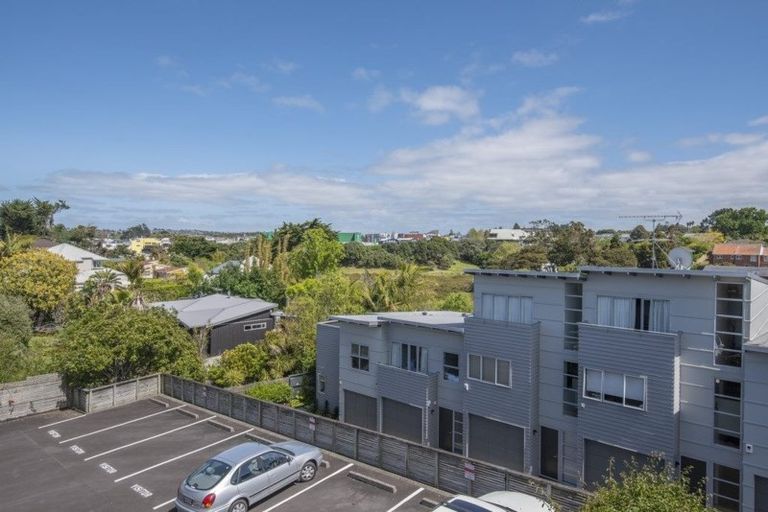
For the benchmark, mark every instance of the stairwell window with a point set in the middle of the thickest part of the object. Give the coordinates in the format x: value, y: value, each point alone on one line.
x: 255, y: 327
x: 633, y: 313
x: 450, y: 367
x: 360, y: 359
x: 727, y: 419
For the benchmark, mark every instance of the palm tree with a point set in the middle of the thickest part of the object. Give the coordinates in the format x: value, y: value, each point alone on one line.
x: 133, y: 270
x: 13, y: 244
x: 100, y: 285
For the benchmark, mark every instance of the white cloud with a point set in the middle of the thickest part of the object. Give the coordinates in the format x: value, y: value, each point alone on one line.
x: 195, y: 89
x: 284, y: 66
x: 546, y: 103
x: 638, y: 157
x: 171, y: 65
x: 380, y: 99
x: 440, y: 104
x: 760, y: 121
x: 365, y: 74
x: 604, y: 17
x: 304, y: 101
x: 731, y: 139
x: 534, y: 58
x: 243, y: 79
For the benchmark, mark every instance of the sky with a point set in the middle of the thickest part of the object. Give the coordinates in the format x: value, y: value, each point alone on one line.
x: 389, y: 115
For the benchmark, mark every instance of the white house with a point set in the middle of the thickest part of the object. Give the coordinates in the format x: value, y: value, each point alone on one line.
x: 88, y: 263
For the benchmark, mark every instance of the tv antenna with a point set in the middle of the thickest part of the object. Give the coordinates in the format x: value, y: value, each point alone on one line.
x: 654, y: 220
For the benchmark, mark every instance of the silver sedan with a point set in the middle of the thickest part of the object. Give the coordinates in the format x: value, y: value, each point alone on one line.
x: 237, y: 478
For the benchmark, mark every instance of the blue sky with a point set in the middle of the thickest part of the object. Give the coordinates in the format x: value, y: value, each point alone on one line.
x: 386, y: 115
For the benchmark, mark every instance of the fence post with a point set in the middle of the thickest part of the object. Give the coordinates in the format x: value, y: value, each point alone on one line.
x: 294, y: 422
x: 114, y: 392
x: 231, y: 397
x: 88, y: 401
x: 437, y: 468
x: 136, y: 391
x: 357, y: 440
x: 258, y: 409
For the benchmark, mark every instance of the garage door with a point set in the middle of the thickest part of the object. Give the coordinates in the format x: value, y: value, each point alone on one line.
x: 496, y: 442
x: 761, y: 493
x: 401, y: 420
x: 360, y: 410
x: 598, y: 456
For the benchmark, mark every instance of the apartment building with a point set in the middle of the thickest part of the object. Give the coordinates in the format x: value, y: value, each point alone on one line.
x: 556, y: 374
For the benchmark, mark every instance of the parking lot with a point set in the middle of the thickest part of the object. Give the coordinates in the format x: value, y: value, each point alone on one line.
x: 134, y: 457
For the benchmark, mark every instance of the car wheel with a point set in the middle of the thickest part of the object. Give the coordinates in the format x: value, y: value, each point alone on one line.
x: 239, y: 506
x: 308, y: 472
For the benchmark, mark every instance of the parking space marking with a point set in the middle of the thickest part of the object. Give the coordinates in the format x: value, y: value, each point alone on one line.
x: 406, y: 499
x: 181, y: 456
x: 119, y: 425
x: 142, y: 491
x: 289, y: 498
x: 62, y: 421
x: 146, y: 439
x: 164, y: 504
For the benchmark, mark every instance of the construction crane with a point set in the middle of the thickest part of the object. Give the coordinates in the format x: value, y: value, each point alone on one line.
x: 654, y: 219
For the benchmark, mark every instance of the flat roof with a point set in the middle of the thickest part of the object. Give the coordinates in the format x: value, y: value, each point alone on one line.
x: 710, y: 271
x: 450, y: 321
x: 522, y: 273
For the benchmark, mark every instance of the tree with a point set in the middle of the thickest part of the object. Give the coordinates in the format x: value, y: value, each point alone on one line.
x: 112, y: 343
x: 15, y: 333
x: 257, y: 283
x: 364, y: 256
x: 294, y: 233
x: 39, y: 277
x: 317, y: 253
x: 133, y: 270
x: 739, y: 223
x: 193, y: 246
x: 138, y: 231
x: 12, y: 244
x: 29, y: 217
x: 571, y: 243
x: 457, y: 301
x: 615, y: 254
x: 639, y: 233
x: 653, y: 487
x: 100, y: 285
x: 403, y: 290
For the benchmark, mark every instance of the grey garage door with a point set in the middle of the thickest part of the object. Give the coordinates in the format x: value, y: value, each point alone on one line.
x: 401, y: 420
x: 360, y: 410
x: 598, y: 456
x: 496, y: 442
x: 761, y: 493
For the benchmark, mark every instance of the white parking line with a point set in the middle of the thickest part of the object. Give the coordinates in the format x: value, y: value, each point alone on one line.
x: 165, y: 504
x: 289, y: 498
x: 62, y: 421
x: 119, y: 425
x: 180, y: 456
x: 147, y: 439
x: 407, y: 498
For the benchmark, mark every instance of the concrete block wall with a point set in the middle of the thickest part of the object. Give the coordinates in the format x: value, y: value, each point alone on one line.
x: 37, y: 394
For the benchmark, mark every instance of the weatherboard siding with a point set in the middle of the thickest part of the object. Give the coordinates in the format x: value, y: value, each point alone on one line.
x: 231, y: 334
x: 327, y: 365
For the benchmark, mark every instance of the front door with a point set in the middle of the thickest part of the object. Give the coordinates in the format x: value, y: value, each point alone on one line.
x: 550, y: 449
x: 279, y: 468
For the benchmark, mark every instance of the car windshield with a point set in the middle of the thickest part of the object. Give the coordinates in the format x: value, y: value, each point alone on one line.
x: 465, y: 506
x: 208, y: 475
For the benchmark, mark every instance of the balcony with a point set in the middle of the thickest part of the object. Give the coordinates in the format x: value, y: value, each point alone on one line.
x: 405, y: 385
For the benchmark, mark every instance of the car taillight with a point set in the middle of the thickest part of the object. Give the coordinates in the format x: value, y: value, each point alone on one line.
x: 208, y: 500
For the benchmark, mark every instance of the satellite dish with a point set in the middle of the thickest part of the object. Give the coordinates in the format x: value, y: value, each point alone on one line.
x: 680, y: 258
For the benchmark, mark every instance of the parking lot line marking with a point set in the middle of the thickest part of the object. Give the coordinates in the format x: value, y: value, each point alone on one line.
x: 119, y: 425
x: 146, y: 439
x: 174, y: 459
x: 406, y: 499
x: 289, y: 498
x: 62, y: 421
x: 166, y: 503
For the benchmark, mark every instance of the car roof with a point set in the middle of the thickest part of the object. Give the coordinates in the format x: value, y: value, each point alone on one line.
x: 242, y: 452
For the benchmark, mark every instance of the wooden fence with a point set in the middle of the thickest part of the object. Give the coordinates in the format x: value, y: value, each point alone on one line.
x: 113, y: 395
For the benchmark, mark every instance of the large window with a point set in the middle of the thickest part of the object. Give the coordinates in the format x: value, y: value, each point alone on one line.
x: 625, y: 390
x: 728, y: 413
x: 729, y: 324
x: 490, y: 369
x: 360, y: 357
x: 572, y: 315
x: 506, y: 308
x: 726, y: 488
x: 450, y: 367
x: 629, y: 313
x: 409, y: 357
x: 570, y: 388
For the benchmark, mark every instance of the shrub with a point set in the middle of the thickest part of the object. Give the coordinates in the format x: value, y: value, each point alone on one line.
x: 279, y: 392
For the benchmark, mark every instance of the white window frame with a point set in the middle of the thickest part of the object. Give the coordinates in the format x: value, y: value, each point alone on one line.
x: 495, y: 370
x: 624, y: 389
x: 504, y: 302
x: 256, y: 326
x: 359, y: 357
x: 633, y: 320
x: 445, y: 365
x: 422, y: 357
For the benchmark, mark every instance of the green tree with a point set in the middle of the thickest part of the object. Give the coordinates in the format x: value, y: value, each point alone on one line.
x: 615, y: 254
x: 279, y: 392
x: 39, y: 277
x: 29, y: 217
x: 15, y: 333
x: 112, y: 343
x: 639, y: 233
x: 257, y: 283
x: 503, y: 255
x: 11, y: 244
x: 652, y: 487
x: 100, y: 285
x: 317, y: 253
x: 739, y: 223
x: 457, y: 301
x: 570, y: 244
x: 293, y: 233
x: 246, y: 362
x: 137, y: 231
x: 402, y: 290
x: 192, y: 246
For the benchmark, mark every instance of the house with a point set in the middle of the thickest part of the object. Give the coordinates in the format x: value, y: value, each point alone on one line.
x: 740, y: 254
x: 139, y: 245
x: 507, y: 235
x: 231, y: 320
x: 87, y: 263
x: 557, y: 374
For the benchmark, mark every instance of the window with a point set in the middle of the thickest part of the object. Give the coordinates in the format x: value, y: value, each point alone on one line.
x: 729, y: 324
x: 572, y: 315
x: 628, y: 313
x: 625, y: 390
x: 409, y: 357
x: 208, y: 475
x: 450, y: 367
x: 360, y: 357
x: 507, y: 309
x: 255, y: 327
x: 321, y: 383
x: 727, y: 413
x: 247, y: 471
x: 271, y: 460
x: 725, y: 488
x: 697, y: 474
x: 451, y: 431
x: 570, y: 388
x: 490, y: 369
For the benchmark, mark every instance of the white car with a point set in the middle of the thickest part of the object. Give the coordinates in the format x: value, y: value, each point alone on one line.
x: 499, y: 501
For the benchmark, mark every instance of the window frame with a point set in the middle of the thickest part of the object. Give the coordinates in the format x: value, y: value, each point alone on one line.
x: 568, y: 405
x: 716, y: 430
x: 641, y: 315
x: 321, y: 383
x: 254, y: 326
x: 451, y: 367
x: 359, y: 358
x: 495, y: 366
x: 623, y: 402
